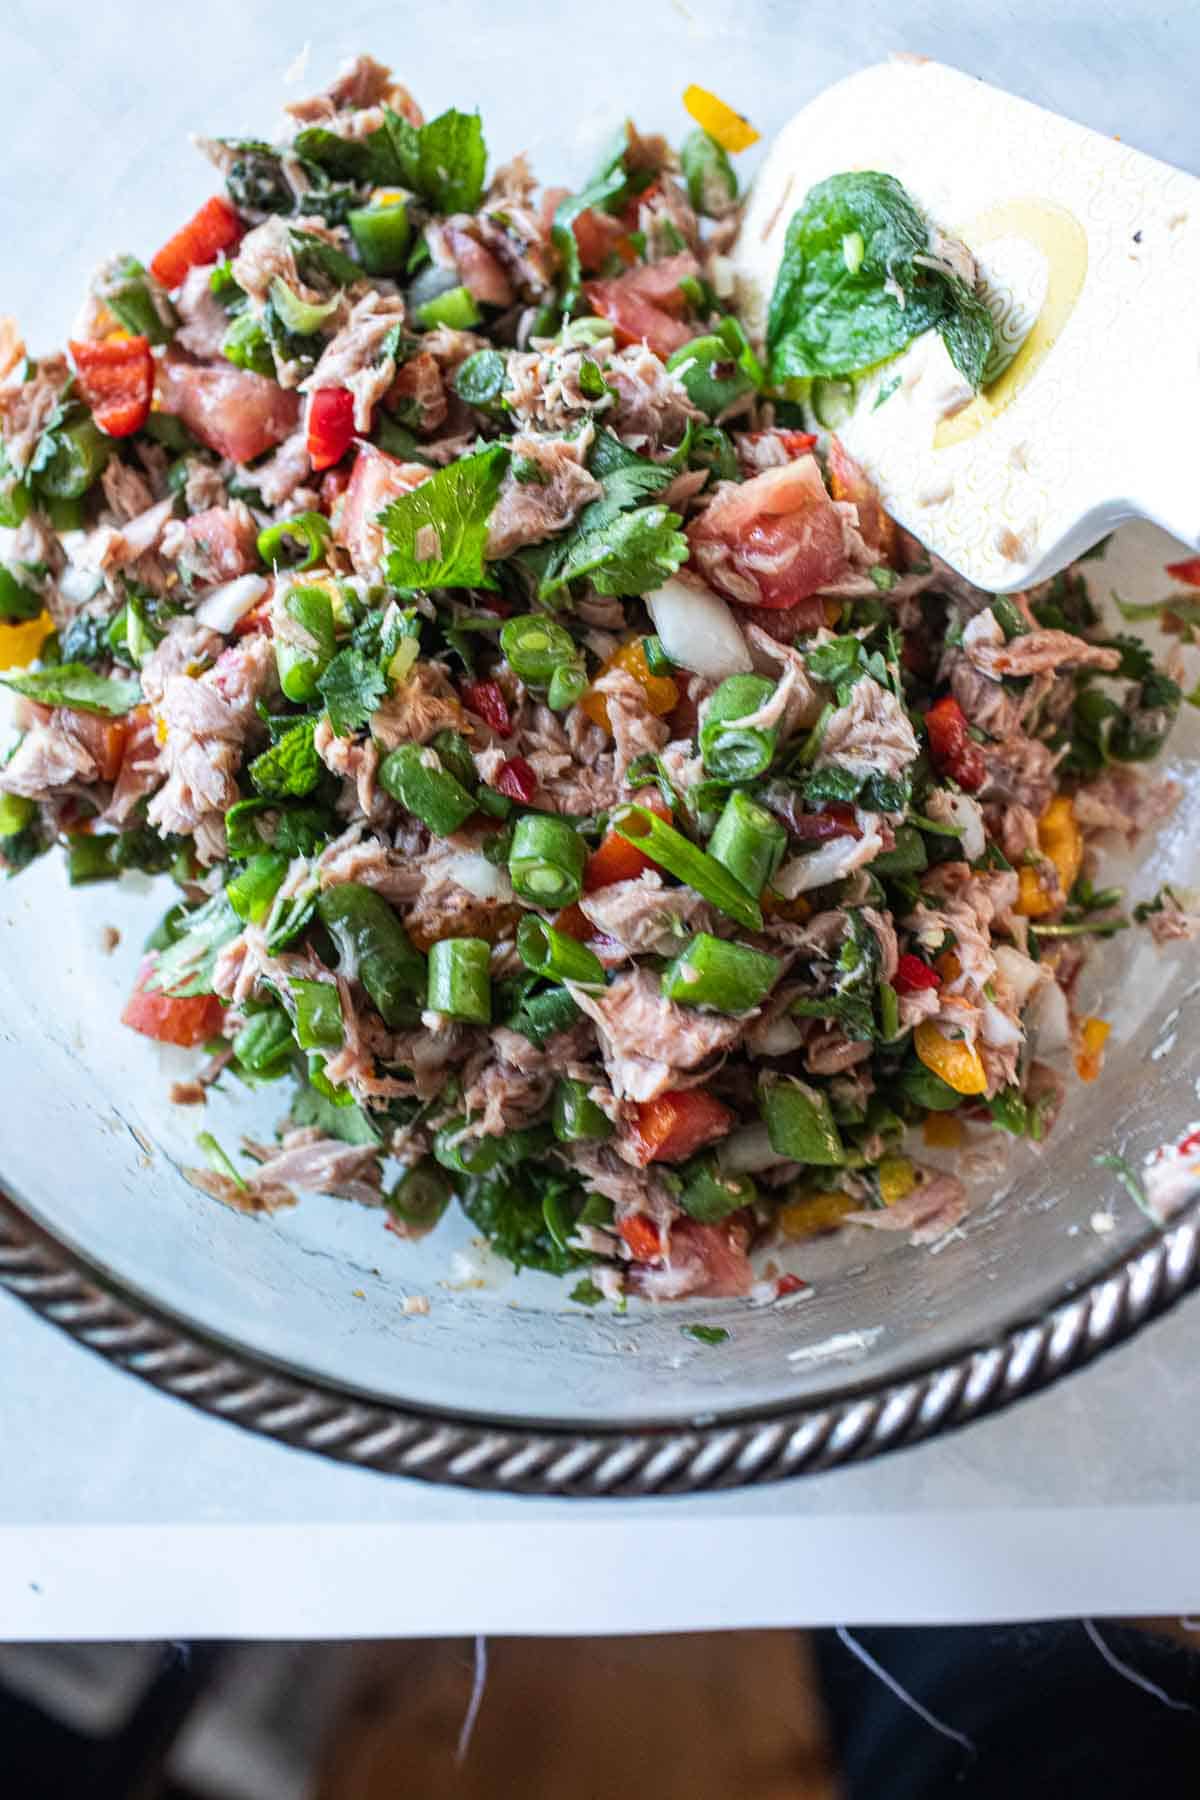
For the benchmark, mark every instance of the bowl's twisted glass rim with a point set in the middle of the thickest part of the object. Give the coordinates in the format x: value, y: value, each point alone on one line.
x: 737, y: 1448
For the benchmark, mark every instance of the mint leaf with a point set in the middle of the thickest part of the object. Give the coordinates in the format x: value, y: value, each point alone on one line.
x: 452, y: 161
x: 349, y: 1124
x: 352, y: 687
x: 438, y: 532
x: 405, y: 143
x: 290, y: 766
x: 586, y: 1293
x: 76, y: 686
x: 632, y: 553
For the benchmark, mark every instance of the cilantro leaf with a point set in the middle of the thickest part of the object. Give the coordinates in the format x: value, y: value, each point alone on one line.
x: 349, y: 1124
x: 628, y: 478
x: 633, y: 553
x: 352, y: 687
x: 76, y: 686
x: 290, y: 766
x: 452, y: 161
x: 438, y: 532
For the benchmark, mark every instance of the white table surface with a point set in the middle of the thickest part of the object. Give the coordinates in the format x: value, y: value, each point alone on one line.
x: 125, y: 1514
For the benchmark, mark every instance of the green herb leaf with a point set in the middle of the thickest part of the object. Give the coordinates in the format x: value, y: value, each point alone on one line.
x: 452, y: 162
x: 632, y: 554
x: 706, y: 1334
x: 438, y: 533
x: 349, y: 1124
x: 353, y: 688
x: 76, y: 686
x: 586, y: 1293
x: 289, y: 767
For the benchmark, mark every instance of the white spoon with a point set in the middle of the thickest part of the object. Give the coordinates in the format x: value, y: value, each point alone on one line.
x: 1089, y: 259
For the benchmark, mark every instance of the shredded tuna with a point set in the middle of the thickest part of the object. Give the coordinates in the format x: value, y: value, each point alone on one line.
x: 418, y: 708
x: 320, y: 1165
x: 544, y: 494
x: 647, y: 1040
x: 871, y: 734
x: 357, y: 358
x: 929, y: 1212
x: 645, y: 917
x: 652, y: 408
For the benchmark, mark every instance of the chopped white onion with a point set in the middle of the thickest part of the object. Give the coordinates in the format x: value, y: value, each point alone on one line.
x: 1049, y: 1020
x: 747, y: 1151
x: 78, y: 584
x: 961, y: 810
x: 471, y: 870
x: 1020, y: 972
x: 997, y: 1029
x: 698, y: 630
x: 225, y: 605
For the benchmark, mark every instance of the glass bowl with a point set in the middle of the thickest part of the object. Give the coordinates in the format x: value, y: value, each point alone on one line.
x: 295, y: 1324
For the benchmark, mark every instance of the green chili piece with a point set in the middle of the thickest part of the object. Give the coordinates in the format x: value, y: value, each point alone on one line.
x: 711, y: 182
x: 711, y: 1193
x: 126, y: 291
x: 568, y: 684
x: 536, y: 645
x: 554, y: 954
x: 90, y: 857
x: 799, y: 1123
x: 300, y: 317
x: 245, y: 345
x: 681, y: 858
x: 711, y: 376
x: 80, y: 453
x: 302, y: 661
x: 576, y: 1117
x: 748, y: 841
x: 308, y: 531
x: 374, y: 949
x: 470, y: 1156
x: 420, y: 1197
x: 545, y: 863
x: 454, y: 753
x: 426, y: 789
x: 318, y: 1014
x: 380, y: 234
x: 16, y: 812
x: 456, y: 308
x: 265, y: 1043
x: 460, y: 981
x: 251, y: 892
x: 732, y: 751
x: 731, y: 978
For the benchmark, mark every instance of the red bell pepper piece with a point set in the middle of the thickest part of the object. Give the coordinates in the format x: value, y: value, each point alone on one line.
x: 679, y: 1123
x: 116, y: 378
x: 214, y: 228
x: 517, y: 780
x: 171, y: 1018
x: 330, y: 426
x: 641, y: 1234
x: 912, y: 975
x: 953, y: 750
x: 487, y: 699
x: 1188, y: 570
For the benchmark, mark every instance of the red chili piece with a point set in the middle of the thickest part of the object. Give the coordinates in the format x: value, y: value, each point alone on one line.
x: 789, y: 1284
x: 330, y: 426
x: 953, y: 750
x: 517, y: 780
x: 486, y: 699
x: 912, y: 975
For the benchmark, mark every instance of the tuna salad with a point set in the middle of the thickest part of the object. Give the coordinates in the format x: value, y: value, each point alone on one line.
x: 584, y: 803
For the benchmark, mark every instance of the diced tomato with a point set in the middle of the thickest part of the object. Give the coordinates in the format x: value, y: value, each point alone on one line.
x: 912, y: 975
x: 171, y: 1019
x: 597, y: 235
x: 848, y: 482
x: 679, y: 1123
x: 572, y: 923
x: 330, y: 426
x: 103, y: 739
x: 642, y: 1236
x: 715, y: 1255
x: 334, y: 483
x: 257, y: 619
x: 953, y: 750
x: 789, y: 1284
x: 478, y: 270
x: 837, y: 820
x: 487, y: 699
x: 116, y: 379
x: 375, y: 479
x: 777, y: 537
x: 646, y: 304
x: 1188, y: 570
x: 517, y: 780
x: 235, y: 413
x: 214, y: 228
x: 223, y: 543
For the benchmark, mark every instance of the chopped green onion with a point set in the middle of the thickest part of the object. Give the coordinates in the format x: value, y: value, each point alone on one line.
x: 125, y: 290
x: 79, y: 456
x: 456, y: 308
x: 426, y: 789
x: 889, y: 1011
x: 732, y: 751
x: 657, y: 660
x: 309, y: 531
x: 711, y: 182
x: 472, y: 1156
x: 545, y: 863
x: 542, y: 1015
x: 536, y: 645
x: 454, y: 753
x: 555, y: 955
x: 245, y: 345
x: 264, y: 1045
x: 217, y: 1160
x: 576, y: 1116
x: 460, y: 981
x: 374, y: 949
x: 1011, y: 622
x: 251, y: 892
x: 90, y: 857
x: 731, y: 978
x: 301, y: 317
x: 301, y: 663
x: 799, y: 1123
x: 318, y: 1014
x: 748, y: 841
x: 681, y: 858
x: 568, y: 684
x: 420, y: 1197
x: 380, y: 236
x: 710, y: 1193
x: 16, y: 812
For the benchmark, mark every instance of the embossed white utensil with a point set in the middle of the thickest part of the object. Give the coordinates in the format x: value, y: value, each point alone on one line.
x: 1089, y: 259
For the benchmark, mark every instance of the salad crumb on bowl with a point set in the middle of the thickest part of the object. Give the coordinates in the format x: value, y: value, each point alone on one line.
x: 584, y: 803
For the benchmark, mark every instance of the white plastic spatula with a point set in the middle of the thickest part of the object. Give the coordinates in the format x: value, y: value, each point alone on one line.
x: 1089, y: 259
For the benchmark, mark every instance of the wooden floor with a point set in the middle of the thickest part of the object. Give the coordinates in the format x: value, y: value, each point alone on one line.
x: 714, y: 1716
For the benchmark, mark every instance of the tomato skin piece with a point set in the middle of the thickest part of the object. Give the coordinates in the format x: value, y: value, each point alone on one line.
x: 1188, y: 570
x: 232, y: 411
x: 487, y: 700
x: 641, y: 1236
x: 953, y: 750
x: 517, y: 780
x: 168, y: 1018
x: 912, y: 975
x: 116, y: 379
x: 678, y: 1123
x: 597, y: 235
x: 214, y: 228
x: 636, y: 318
x: 330, y: 426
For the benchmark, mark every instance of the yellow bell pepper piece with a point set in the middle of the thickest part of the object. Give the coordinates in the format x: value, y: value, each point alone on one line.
x: 897, y: 1178
x: 731, y: 131
x: 662, y: 694
x: 1093, y: 1035
x: 943, y: 1131
x: 1061, y: 843
x: 774, y: 906
x: 21, y: 641
x: 814, y: 1213
x: 957, y: 1062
